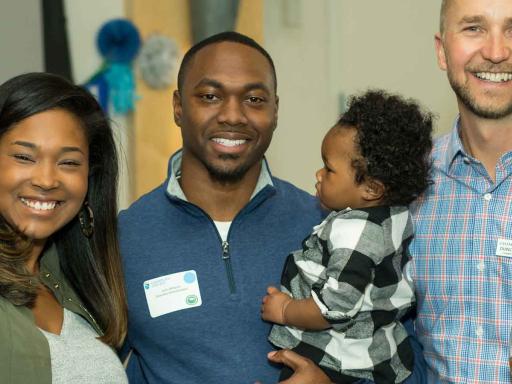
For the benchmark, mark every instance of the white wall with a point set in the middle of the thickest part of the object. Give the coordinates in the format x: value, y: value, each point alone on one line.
x: 297, y: 40
x: 21, y: 38
x: 390, y: 44
x: 325, y: 50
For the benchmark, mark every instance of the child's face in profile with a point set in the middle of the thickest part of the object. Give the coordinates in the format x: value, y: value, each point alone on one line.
x: 336, y: 186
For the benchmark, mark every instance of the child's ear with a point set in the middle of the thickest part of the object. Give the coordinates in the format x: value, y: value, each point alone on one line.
x: 373, y: 190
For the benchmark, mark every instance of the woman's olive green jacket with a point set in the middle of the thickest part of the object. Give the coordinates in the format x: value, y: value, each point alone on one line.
x: 24, y: 350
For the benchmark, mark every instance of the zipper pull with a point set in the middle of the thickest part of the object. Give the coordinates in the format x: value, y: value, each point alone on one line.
x: 225, y: 250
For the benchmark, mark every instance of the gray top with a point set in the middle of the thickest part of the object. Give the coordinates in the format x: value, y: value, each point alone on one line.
x: 77, y: 356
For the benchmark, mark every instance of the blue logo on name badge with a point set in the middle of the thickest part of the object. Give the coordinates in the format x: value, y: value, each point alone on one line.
x: 189, y: 277
x: 146, y: 286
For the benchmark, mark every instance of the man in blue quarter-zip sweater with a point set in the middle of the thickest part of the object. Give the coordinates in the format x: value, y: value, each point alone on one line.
x: 200, y: 249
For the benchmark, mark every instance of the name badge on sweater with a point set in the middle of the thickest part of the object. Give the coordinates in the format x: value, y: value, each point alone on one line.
x: 504, y: 247
x: 172, y: 293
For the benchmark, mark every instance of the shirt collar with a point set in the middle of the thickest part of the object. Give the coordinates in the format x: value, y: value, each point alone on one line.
x: 454, y: 146
x: 49, y: 262
x: 174, y: 172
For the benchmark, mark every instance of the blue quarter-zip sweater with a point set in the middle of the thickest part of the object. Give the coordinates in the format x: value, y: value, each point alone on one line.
x: 224, y: 340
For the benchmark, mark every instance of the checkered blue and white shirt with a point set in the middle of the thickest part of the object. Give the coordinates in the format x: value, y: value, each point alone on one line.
x: 462, y: 267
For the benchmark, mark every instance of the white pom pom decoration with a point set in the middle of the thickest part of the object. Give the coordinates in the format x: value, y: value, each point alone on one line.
x: 158, y: 60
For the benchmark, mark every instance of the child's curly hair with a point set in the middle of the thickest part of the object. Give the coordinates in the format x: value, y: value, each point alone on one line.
x: 394, y: 139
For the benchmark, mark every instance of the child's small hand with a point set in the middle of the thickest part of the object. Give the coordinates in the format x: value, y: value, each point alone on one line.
x: 274, y: 305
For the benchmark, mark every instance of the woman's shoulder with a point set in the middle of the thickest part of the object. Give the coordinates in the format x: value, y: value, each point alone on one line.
x: 24, y: 351
x: 8, y: 316
x: 10, y: 313
x: 6, y: 307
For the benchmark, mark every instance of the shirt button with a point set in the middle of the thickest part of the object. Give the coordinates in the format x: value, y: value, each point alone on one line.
x: 479, y: 331
x: 56, y: 286
x: 466, y: 160
x: 47, y: 275
x: 481, y: 266
x: 487, y: 197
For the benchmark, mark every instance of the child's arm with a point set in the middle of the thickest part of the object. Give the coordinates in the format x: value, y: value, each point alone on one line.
x: 280, y: 308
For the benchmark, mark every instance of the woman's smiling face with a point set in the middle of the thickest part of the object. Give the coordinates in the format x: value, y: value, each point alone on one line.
x: 44, y: 163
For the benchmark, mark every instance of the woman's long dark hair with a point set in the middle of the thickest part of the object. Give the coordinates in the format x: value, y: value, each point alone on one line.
x: 91, y: 265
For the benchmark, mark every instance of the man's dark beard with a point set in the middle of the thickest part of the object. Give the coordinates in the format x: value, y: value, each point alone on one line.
x: 470, y: 103
x: 227, y: 176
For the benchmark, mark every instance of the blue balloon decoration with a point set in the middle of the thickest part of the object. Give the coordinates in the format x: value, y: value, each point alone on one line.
x: 114, y: 84
x: 118, y: 41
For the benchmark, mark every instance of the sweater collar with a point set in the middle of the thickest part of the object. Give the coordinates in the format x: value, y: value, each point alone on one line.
x: 174, y: 173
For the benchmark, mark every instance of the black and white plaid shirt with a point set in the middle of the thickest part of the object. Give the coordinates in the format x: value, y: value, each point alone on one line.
x: 352, y: 265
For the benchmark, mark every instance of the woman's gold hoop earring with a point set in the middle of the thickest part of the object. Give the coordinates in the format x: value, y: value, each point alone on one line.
x: 86, y: 219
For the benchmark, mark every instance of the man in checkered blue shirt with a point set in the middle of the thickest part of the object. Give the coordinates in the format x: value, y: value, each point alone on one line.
x: 462, y: 250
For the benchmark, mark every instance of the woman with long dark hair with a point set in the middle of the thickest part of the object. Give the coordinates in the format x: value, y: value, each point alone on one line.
x: 62, y: 303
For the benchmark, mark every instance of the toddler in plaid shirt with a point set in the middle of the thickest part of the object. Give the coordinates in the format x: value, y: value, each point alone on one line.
x: 343, y: 294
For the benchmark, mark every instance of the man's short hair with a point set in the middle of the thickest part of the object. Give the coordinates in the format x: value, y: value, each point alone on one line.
x: 442, y: 15
x: 229, y: 36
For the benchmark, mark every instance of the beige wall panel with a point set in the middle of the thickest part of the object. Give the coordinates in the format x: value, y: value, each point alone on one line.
x: 250, y: 19
x: 156, y: 136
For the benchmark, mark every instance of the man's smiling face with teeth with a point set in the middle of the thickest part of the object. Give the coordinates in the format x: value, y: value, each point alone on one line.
x: 494, y: 77
x: 475, y: 50
x: 227, y: 110
x: 228, y: 142
x: 45, y: 166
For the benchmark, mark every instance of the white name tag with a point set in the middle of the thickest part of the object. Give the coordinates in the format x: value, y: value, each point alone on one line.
x: 504, y: 248
x: 172, y: 293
